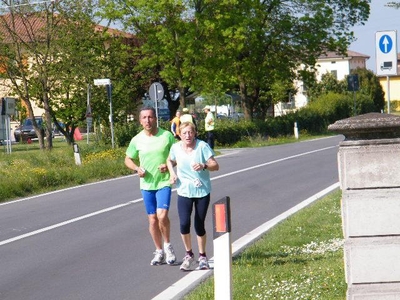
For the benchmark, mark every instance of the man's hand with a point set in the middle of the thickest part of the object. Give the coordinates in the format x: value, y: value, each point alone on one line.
x: 163, y: 168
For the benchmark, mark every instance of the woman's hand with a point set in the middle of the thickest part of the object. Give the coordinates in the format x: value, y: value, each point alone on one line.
x: 197, y: 166
x: 173, y: 179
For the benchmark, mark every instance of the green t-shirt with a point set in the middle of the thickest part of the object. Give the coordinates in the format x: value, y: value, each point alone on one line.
x: 152, y: 151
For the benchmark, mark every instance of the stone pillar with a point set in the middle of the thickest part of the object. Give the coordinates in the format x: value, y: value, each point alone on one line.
x: 369, y: 173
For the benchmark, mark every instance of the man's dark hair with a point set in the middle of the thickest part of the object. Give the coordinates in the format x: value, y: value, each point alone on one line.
x: 148, y: 108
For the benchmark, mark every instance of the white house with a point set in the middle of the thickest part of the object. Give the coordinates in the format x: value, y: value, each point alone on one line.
x: 338, y: 65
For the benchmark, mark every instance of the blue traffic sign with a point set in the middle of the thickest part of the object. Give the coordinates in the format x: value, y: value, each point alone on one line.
x: 386, y: 52
x: 385, y: 43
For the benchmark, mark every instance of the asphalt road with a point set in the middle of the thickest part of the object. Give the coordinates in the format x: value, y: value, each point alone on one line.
x: 92, y: 242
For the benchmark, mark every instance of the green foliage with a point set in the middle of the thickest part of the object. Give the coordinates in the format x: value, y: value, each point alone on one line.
x: 230, y: 132
x: 393, y: 4
x: 313, y: 119
x: 369, y: 98
x: 66, y: 52
x: 394, y: 105
x: 27, y: 171
x: 251, y: 46
x: 328, y: 83
x: 331, y: 106
x: 370, y: 88
x: 125, y: 132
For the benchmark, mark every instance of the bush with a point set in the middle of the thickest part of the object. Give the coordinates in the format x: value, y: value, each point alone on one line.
x: 123, y: 133
x: 313, y: 119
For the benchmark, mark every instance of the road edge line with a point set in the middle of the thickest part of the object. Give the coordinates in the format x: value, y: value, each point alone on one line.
x: 183, y: 286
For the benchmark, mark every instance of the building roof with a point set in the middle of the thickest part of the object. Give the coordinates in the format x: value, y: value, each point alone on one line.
x: 28, y: 27
x: 350, y: 54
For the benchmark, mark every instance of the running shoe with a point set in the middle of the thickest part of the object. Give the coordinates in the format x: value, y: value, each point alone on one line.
x: 159, y: 258
x: 203, y: 263
x: 170, y: 254
x: 188, y: 263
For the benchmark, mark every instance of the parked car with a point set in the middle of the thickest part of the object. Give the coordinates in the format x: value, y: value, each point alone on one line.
x: 55, y: 129
x: 222, y: 117
x: 234, y: 116
x: 26, y: 131
x: 237, y: 116
x: 164, y: 114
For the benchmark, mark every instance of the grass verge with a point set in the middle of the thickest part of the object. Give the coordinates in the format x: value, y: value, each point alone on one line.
x: 300, y: 258
x: 29, y: 170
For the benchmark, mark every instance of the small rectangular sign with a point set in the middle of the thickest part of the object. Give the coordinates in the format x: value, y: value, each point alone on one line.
x: 104, y: 81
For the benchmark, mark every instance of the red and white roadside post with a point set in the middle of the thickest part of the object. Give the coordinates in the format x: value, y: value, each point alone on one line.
x: 77, y: 155
x: 222, y: 249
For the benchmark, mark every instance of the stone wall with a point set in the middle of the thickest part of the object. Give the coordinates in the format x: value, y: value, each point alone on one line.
x: 369, y: 173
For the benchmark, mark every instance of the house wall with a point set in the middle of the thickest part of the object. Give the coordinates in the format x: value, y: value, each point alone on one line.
x: 340, y: 66
x: 394, y: 87
x: 358, y: 63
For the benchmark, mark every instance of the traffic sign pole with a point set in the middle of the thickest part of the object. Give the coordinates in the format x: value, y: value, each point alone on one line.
x: 88, y: 115
x: 388, y: 92
x: 156, y: 93
x: 107, y: 82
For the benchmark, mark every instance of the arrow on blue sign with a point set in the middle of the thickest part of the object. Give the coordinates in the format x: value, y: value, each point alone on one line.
x: 385, y: 44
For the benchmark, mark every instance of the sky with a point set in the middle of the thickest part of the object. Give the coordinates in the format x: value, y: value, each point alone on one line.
x: 381, y: 18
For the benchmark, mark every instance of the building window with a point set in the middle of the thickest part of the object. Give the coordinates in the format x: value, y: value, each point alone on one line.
x: 334, y: 73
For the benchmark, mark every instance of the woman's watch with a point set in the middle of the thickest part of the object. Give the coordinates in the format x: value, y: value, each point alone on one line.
x: 205, y: 167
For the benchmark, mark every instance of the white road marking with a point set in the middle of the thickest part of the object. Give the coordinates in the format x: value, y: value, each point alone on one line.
x: 32, y: 233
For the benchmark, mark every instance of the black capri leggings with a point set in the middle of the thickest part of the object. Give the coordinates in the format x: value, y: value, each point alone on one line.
x: 185, y: 208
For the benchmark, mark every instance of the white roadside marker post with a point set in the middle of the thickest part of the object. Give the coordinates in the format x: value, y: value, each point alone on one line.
x: 222, y: 250
x: 296, y: 131
x: 77, y: 155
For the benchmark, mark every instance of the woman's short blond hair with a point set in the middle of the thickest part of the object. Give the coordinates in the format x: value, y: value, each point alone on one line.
x: 187, y: 124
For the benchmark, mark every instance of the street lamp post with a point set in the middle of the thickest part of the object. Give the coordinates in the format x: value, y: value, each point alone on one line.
x: 232, y: 110
x: 109, y: 89
x: 107, y: 83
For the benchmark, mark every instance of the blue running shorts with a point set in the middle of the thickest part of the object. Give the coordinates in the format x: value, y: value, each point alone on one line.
x: 156, y: 199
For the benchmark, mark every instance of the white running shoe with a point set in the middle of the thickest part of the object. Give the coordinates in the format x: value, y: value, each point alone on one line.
x: 158, y: 259
x: 188, y: 263
x: 170, y: 254
x: 203, y: 263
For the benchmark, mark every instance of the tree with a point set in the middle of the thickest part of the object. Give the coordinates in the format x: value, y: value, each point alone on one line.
x: 50, y: 52
x: 86, y: 51
x: 270, y: 40
x: 166, y: 42
x: 244, y: 45
x: 371, y: 87
x: 393, y: 4
x: 327, y: 84
x: 19, y: 37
